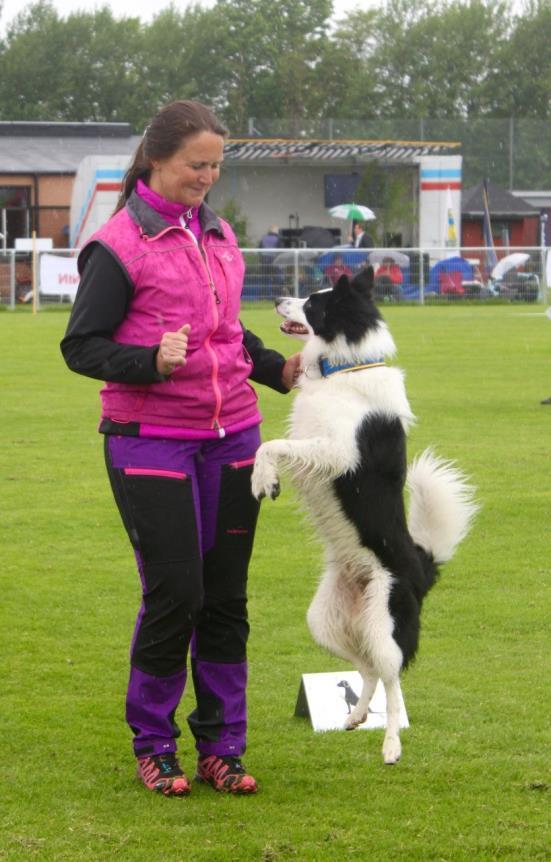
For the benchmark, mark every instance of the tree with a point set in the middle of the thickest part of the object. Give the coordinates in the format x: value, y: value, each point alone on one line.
x: 266, y: 53
x: 28, y: 76
x: 82, y: 68
x: 433, y: 59
x: 102, y: 70
x: 347, y: 71
x: 178, y: 59
x: 522, y: 77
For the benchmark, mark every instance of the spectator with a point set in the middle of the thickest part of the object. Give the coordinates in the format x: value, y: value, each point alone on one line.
x: 361, y: 239
x: 270, y: 240
x: 334, y: 271
x: 388, y: 280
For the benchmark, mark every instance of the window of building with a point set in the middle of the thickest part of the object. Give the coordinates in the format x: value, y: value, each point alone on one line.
x: 15, y: 213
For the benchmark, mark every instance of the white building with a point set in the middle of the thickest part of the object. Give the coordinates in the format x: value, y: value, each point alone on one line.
x: 293, y: 184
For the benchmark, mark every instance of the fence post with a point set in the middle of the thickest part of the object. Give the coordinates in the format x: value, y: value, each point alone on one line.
x: 295, y: 272
x: 34, y: 273
x: 543, y: 262
x: 12, y: 279
x: 421, y: 277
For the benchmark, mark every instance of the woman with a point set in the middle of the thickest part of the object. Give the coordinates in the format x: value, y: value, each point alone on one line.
x: 156, y: 317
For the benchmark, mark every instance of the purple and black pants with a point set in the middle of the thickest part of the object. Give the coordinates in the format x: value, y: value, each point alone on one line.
x: 189, y: 513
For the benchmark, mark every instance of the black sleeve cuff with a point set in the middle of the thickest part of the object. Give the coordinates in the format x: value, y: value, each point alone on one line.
x: 267, y: 364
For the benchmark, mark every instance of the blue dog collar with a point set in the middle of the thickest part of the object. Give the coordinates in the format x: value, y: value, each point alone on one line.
x: 327, y: 368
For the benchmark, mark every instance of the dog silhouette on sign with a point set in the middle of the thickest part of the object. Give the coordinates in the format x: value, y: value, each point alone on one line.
x: 350, y: 696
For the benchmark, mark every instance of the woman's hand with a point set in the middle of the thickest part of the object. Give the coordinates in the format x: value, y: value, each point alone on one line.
x: 291, y: 371
x: 172, y: 350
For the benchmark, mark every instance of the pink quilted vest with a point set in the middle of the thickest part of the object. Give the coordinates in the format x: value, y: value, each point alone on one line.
x: 176, y: 282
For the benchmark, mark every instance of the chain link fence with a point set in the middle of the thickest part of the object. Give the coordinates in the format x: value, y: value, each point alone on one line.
x: 511, y: 151
x: 415, y: 275
x: 402, y: 275
x: 54, y: 273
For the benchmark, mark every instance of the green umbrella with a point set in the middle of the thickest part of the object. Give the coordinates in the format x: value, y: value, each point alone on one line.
x: 355, y: 212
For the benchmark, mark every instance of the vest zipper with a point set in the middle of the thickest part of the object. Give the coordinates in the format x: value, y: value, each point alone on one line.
x: 208, y: 346
x: 211, y: 351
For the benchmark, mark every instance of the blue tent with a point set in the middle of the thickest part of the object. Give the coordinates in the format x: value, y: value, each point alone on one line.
x: 449, y: 264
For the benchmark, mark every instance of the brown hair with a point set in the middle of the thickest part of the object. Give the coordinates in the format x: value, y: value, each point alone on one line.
x: 165, y: 134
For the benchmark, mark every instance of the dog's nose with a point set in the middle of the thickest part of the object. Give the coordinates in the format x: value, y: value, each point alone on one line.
x: 279, y: 299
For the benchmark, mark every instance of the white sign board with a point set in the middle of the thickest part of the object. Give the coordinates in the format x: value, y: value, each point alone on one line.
x: 58, y: 276
x: 28, y: 244
x: 327, y: 698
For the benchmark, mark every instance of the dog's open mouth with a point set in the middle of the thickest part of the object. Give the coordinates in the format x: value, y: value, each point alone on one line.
x: 291, y: 327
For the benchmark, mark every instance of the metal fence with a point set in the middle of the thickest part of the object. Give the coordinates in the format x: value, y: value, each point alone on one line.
x: 512, y: 151
x: 402, y: 275
x: 435, y: 275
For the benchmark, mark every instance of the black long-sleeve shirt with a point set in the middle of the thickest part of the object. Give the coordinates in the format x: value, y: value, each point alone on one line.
x: 102, y: 300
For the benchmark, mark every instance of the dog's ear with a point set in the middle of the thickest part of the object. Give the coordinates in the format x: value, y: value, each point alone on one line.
x: 364, y: 279
x: 342, y: 284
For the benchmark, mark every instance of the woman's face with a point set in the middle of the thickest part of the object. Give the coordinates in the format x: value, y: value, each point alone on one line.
x: 187, y: 175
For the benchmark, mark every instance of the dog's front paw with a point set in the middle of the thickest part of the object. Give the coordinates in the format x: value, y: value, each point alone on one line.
x: 355, y: 719
x: 264, y: 481
x: 392, y: 750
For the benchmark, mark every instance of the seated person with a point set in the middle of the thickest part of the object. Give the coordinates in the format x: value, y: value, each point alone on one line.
x: 474, y: 286
x: 519, y: 285
x: 451, y: 283
x: 388, y: 280
x: 334, y: 271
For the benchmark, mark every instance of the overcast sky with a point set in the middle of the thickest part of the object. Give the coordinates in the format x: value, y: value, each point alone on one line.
x: 145, y: 9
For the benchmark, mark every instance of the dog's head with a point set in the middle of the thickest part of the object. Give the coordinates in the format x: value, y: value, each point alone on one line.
x: 345, y: 310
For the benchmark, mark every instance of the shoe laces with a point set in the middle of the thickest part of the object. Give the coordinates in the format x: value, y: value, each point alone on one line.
x: 223, y: 766
x: 234, y: 763
x: 165, y: 765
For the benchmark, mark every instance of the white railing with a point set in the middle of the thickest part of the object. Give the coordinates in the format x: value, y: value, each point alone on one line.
x: 412, y: 275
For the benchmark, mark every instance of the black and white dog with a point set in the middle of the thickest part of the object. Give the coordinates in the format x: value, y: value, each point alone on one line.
x: 346, y: 451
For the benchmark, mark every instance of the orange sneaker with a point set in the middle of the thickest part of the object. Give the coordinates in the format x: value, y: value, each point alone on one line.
x: 225, y: 774
x: 162, y: 773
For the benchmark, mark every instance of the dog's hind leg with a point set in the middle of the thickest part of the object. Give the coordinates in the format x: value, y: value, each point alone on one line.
x: 359, y: 713
x: 392, y: 747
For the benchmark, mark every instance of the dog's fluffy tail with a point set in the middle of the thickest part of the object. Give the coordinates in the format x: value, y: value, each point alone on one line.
x: 441, y: 507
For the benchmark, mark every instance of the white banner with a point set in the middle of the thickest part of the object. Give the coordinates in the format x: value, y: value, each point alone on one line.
x: 58, y: 276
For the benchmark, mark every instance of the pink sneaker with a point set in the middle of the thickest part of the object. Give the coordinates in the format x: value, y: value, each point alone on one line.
x: 225, y: 774
x: 162, y: 773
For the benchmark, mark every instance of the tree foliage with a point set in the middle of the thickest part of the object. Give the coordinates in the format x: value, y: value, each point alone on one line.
x: 286, y: 67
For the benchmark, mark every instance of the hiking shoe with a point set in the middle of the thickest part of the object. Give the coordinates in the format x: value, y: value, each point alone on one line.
x: 225, y: 774
x: 162, y: 773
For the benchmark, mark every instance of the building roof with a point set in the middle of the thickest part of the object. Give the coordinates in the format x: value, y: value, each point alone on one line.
x: 58, y: 148
x: 500, y: 203
x: 273, y: 149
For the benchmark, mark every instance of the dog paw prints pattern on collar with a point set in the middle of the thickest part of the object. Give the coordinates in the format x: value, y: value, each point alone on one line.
x: 327, y: 367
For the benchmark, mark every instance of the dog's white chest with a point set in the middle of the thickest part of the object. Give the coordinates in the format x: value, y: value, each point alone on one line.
x: 337, y: 406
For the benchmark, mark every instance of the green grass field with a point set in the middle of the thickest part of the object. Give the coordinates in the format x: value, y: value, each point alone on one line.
x: 474, y: 782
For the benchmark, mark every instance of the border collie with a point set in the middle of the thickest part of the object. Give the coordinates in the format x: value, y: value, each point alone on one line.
x: 346, y: 452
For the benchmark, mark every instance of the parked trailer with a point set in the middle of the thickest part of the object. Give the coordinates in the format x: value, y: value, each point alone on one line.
x: 96, y: 189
